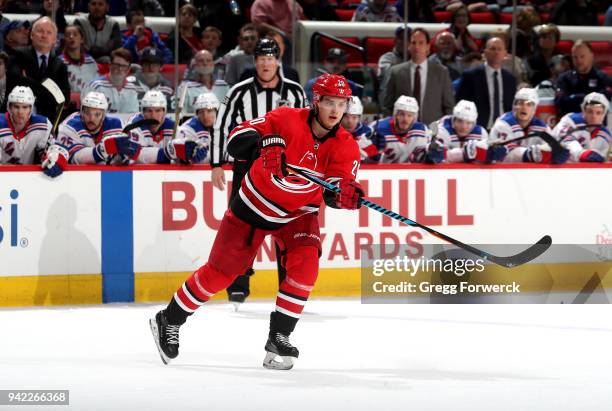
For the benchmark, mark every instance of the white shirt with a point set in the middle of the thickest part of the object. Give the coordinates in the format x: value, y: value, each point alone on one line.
x: 413, y: 67
x: 489, y: 73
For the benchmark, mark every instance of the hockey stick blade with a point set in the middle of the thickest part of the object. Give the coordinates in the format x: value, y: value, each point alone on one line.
x: 515, y: 260
x: 140, y: 123
x: 55, y: 91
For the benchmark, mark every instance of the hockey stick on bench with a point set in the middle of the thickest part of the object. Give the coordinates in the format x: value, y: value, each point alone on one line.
x: 511, y: 261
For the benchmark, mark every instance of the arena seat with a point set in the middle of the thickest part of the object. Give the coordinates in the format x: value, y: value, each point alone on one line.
x: 377, y: 46
x: 545, y: 17
x: 75, y: 98
x: 600, y: 19
x: 565, y: 46
x: 353, y: 55
x: 345, y: 14
x: 103, y: 68
x: 442, y: 16
x: 505, y: 18
x: 485, y: 17
x: 603, y: 52
x: 168, y: 72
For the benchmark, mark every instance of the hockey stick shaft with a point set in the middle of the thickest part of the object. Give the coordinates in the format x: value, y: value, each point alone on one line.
x: 512, y: 261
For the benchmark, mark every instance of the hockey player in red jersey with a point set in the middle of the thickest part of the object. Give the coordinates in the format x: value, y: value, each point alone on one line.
x: 272, y: 202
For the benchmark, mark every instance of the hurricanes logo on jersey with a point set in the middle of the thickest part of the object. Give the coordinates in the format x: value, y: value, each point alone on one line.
x: 309, y: 160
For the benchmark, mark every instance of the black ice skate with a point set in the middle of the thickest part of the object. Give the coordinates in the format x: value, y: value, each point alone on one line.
x: 280, y: 354
x: 237, y: 298
x: 166, y: 336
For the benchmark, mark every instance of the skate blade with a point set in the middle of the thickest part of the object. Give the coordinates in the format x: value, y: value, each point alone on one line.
x: 236, y: 306
x: 155, y: 332
x: 273, y: 361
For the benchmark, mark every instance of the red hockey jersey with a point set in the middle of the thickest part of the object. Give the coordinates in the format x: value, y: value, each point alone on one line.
x: 269, y: 202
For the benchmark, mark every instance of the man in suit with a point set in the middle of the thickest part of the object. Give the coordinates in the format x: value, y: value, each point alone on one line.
x: 428, y: 82
x: 490, y: 86
x: 30, y: 66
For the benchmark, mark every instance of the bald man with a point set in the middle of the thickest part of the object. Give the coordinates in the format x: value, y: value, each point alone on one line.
x: 30, y: 66
x: 200, y: 79
x: 490, y: 86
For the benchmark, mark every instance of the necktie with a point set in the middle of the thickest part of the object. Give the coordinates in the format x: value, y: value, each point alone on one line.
x: 417, y: 85
x: 43, y: 64
x: 495, y: 95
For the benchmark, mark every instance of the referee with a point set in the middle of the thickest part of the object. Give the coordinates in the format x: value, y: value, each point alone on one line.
x: 247, y: 100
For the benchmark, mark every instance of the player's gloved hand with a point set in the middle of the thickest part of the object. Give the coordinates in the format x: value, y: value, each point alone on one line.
x: 591, y: 156
x: 200, y: 152
x: 480, y: 151
x: 350, y: 194
x: 55, y: 161
x: 183, y: 150
x: 436, y: 151
x: 273, y: 154
x: 537, y: 153
x: 561, y: 156
x: 119, y: 144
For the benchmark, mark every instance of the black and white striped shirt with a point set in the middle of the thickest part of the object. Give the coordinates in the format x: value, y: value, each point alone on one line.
x: 248, y: 100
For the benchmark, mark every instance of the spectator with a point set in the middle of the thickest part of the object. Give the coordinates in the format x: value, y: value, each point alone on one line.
x: 200, y: 79
x: 137, y: 37
x: 376, y: 11
x: 23, y: 6
x: 446, y: 54
x: 4, y: 59
x: 335, y: 63
x: 573, y: 85
x: 4, y: 21
x: 428, y: 82
x: 541, y: 61
x: 242, y: 58
x: 212, y: 38
x: 82, y: 68
x: 276, y: 14
x: 190, y: 40
x: 115, y: 7
x: 31, y: 65
x: 229, y: 20
x: 287, y: 71
x: 574, y: 13
x: 490, y: 86
x: 16, y: 35
x: 418, y: 11
x: 150, y: 77
x: 102, y: 33
x: 518, y: 66
x: 396, y: 55
x: 149, y: 7
x: 318, y: 10
x: 121, y: 92
x: 522, y: 122
x: 60, y: 20
x: 527, y: 19
x: 584, y: 133
x: 466, y: 42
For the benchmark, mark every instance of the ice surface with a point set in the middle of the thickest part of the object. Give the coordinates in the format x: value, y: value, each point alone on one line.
x: 353, y: 357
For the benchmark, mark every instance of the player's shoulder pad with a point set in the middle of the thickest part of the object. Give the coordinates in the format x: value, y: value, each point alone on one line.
x: 112, y: 123
x: 419, y: 126
x: 508, y: 118
x: 168, y: 123
x: 38, y: 119
x: 576, y: 118
x: 135, y: 118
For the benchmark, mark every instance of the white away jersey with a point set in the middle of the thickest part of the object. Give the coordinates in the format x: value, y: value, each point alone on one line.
x: 407, y: 147
x: 80, y: 73
x: 194, y: 130
x: 124, y: 101
x: 453, y: 142
x: 507, y: 127
x: 151, y: 143
x: 580, y: 142
x: 27, y: 146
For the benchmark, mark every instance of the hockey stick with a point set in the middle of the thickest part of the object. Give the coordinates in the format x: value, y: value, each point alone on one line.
x: 140, y: 123
x: 511, y: 261
x: 179, y: 110
x: 57, y: 94
x: 554, y: 144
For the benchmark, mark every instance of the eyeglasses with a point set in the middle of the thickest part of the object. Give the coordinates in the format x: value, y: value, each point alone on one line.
x: 123, y: 67
x: 249, y: 38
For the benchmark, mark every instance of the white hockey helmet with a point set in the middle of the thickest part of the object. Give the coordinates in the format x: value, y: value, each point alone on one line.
x: 595, y: 98
x: 465, y: 110
x: 153, y: 98
x: 528, y: 94
x: 206, y: 100
x: 95, y: 99
x: 355, y: 107
x: 406, y: 103
x: 22, y: 95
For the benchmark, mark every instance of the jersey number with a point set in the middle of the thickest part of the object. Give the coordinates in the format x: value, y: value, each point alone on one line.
x: 355, y: 168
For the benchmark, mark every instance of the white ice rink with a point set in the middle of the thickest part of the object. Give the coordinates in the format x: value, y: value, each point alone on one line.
x: 353, y: 357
